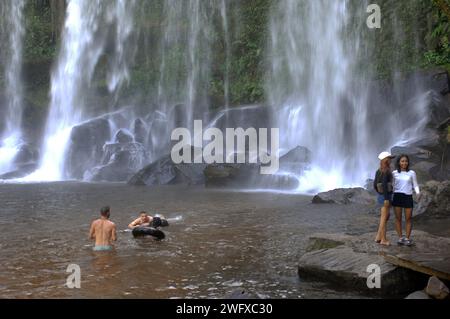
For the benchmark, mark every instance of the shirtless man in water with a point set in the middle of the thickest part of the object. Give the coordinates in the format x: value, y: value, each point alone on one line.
x: 143, y: 220
x: 103, y: 231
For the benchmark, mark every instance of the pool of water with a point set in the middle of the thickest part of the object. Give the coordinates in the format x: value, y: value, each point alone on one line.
x: 218, y: 242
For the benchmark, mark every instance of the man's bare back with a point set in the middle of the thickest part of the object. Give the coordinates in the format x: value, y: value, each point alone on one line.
x: 103, y: 231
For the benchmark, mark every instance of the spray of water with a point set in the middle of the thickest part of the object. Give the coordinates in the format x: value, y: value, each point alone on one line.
x: 11, y: 33
x: 83, y: 44
x: 320, y: 100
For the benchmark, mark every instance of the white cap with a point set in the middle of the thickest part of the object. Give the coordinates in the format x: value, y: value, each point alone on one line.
x: 385, y: 155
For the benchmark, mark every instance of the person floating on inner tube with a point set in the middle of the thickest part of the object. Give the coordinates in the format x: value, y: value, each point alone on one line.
x: 148, y: 221
x: 143, y: 220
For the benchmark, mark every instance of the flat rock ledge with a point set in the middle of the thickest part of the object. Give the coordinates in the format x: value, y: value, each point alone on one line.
x: 343, y: 260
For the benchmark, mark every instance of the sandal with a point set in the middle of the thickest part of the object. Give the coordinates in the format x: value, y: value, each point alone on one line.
x: 408, y: 242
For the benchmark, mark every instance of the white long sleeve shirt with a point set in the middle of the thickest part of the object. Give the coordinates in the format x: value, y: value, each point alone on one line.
x: 405, y: 182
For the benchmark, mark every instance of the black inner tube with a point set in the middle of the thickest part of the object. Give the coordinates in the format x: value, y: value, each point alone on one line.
x: 142, y: 231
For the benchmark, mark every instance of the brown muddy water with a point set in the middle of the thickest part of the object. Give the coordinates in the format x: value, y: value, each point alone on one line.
x: 218, y: 242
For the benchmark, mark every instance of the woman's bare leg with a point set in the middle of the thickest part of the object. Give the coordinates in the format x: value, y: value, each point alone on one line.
x: 379, y: 233
x: 383, y: 221
x: 408, y: 217
x: 398, y: 221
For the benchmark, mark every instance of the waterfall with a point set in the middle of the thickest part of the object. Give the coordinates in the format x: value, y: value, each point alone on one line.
x: 84, y: 41
x: 185, y: 66
x: 11, y: 33
x: 322, y: 101
x: 225, y: 26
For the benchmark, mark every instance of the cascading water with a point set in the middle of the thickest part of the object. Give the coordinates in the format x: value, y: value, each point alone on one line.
x: 11, y: 33
x: 185, y: 68
x: 321, y: 102
x: 85, y: 39
x: 225, y: 26
x: 185, y: 40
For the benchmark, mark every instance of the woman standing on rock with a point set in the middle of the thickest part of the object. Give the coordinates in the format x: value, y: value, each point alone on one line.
x: 383, y: 186
x: 405, y: 180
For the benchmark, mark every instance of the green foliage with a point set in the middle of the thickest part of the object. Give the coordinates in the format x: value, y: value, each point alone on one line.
x: 247, y: 66
x: 39, y: 43
x: 438, y: 38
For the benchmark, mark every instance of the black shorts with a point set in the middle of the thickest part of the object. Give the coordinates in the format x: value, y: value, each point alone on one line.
x: 403, y: 200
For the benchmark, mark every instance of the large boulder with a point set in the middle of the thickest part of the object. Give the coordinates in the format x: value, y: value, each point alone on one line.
x: 116, y: 171
x: 437, y: 289
x: 20, y: 171
x: 435, y: 201
x: 343, y: 261
x: 25, y: 162
x: 247, y: 176
x: 86, y: 146
x: 345, y: 196
x: 123, y: 136
x: 165, y: 172
x: 27, y: 154
x: 138, y: 156
x: 296, y: 160
x: 120, y: 162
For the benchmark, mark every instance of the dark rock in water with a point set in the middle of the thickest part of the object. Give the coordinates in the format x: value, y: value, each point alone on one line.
x: 246, y: 176
x: 21, y: 171
x: 300, y: 154
x: 120, y: 161
x: 345, y: 196
x: 296, y: 160
x: 165, y: 172
x: 27, y: 154
x: 138, y: 155
x: 109, y: 173
x: 435, y: 201
x: 86, y: 146
x: 140, y: 131
x: 123, y: 136
x: 161, y: 172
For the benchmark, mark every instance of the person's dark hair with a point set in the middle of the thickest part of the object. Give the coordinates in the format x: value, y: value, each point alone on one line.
x: 397, y: 165
x: 143, y: 213
x: 105, y: 211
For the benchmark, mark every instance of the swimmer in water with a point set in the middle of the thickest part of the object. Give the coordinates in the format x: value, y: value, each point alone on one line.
x: 143, y: 220
x: 103, y: 231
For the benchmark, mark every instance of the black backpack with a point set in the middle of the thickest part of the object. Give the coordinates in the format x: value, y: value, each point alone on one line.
x: 378, y: 182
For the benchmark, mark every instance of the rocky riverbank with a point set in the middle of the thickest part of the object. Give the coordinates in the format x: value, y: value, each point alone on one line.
x: 343, y: 259
x: 349, y: 261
